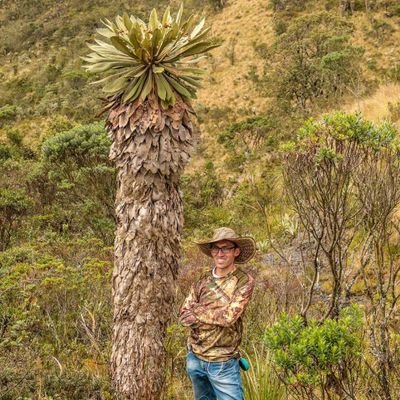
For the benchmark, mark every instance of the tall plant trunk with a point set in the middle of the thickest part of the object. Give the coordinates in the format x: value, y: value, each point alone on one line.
x: 150, y: 148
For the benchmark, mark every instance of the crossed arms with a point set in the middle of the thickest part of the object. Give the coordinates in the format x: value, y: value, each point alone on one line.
x: 193, y: 313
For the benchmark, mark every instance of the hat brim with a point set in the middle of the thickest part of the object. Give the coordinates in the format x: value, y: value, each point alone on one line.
x: 246, y: 244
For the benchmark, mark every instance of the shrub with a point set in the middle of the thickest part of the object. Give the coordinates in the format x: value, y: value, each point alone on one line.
x: 76, y: 78
x: 243, y: 140
x: 202, y: 193
x: 288, y: 5
x: 78, y: 165
x: 251, y: 132
x: 7, y: 113
x: 313, y: 63
x: 14, y: 204
x: 324, y: 356
x: 54, y: 331
x: 78, y: 145
x: 5, y: 152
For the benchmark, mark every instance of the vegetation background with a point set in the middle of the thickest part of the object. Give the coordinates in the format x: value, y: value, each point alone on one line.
x: 281, y: 62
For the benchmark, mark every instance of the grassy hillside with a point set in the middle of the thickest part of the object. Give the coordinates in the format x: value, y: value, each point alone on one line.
x: 41, y: 44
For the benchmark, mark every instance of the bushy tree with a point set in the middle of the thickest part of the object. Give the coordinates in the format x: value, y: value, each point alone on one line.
x: 313, y: 63
x: 343, y: 181
x: 14, y: 204
x: 318, y: 361
x: 77, y: 165
x: 203, y: 196
x: 378, y: 190
x: 319, y: 180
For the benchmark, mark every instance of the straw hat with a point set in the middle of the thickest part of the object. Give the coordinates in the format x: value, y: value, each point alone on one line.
x: 246, y: 244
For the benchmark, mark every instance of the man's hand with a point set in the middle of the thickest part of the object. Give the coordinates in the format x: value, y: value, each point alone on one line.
x: 187, y: 318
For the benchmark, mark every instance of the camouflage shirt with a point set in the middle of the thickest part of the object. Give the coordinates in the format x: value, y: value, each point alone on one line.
x: 215, y: 306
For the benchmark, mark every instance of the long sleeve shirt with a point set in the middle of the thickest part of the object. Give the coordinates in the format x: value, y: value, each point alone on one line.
x: 213, y: 311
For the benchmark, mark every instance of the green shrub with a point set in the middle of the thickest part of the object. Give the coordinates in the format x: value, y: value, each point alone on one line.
x: 55, y: 332
x: 5, y: 152
x: 203, y: 194
x: 77, y: 165
x: 288, y: 5
x: 76, y: 78
x: 243, y: 140
x: 313, y: 63
x: 348, y: 127
x: 7, y: 113
x: 78, y: 144
x: 14, y: 204
x: 15, y: 137
x: 320, y: 356
x: 280, y: 26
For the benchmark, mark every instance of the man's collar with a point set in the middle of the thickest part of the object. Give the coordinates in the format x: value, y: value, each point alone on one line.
x: 221, y: 277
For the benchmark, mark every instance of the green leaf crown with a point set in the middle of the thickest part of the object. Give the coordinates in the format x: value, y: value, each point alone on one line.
x: 159, y: 57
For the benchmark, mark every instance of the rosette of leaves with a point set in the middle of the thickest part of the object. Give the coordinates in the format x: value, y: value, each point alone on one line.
x: 159, y: 57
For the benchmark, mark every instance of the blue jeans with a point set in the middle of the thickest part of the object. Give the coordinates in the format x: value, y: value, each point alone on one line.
x: 214, y: 380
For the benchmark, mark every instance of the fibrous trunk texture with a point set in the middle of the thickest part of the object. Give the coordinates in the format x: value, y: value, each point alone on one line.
x: 150, y: 148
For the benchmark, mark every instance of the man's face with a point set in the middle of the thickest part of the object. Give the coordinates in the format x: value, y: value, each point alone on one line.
x: 224, y: 253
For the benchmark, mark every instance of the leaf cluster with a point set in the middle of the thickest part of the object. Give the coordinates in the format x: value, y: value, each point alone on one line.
x: 255, y: 128
x: 139, y: 58
x: 8, y: 112
x: 82, y: 142
x: 77, y: 165
x: 308, y: 354
x: 350, y: 127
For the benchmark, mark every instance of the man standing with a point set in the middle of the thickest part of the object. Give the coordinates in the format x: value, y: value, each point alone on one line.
x: 213, y: 311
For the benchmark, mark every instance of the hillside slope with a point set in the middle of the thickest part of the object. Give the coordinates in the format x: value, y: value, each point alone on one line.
x: 42, y: 76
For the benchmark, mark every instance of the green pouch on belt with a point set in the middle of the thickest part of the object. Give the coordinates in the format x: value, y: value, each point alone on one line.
x: 244, y: 364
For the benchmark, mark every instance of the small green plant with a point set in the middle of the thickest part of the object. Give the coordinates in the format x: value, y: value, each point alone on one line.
x: 318, y: 357
x: 230, y: 51
x: 280, y: 26
x: 250, y: 133
x: 393, y: 73
x: 76, y: 78
x: 252, y: 74
x: 7, y: 113
x: 14, y: 204
x: 5, y: 152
